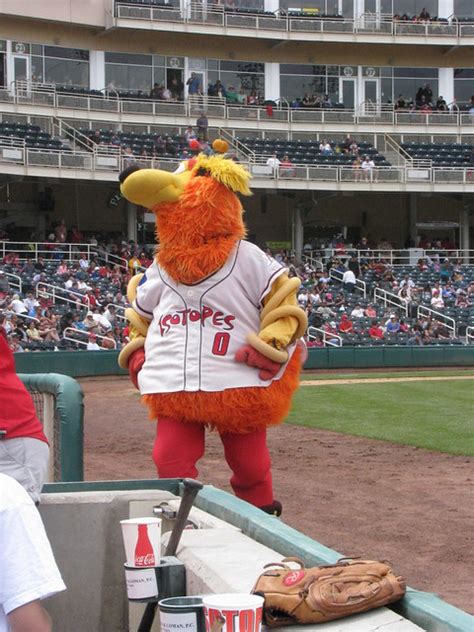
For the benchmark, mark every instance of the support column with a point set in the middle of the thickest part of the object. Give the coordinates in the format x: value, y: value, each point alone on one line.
x: 445, y: 9
x: 271, y: 5
x: 464, y: 223
x: 412, y: 217
x: 272, y: 81
x: 131, y: 222
x: 446, y: 84
x: 298, y: 232
x: 97, y: 69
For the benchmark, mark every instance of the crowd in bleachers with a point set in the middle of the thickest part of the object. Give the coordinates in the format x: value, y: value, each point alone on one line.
x: 80, y: 304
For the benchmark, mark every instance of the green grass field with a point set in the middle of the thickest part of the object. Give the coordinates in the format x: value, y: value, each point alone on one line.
x: 434, y: 415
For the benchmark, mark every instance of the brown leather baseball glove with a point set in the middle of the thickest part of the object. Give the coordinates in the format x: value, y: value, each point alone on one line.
x: 323, y: 593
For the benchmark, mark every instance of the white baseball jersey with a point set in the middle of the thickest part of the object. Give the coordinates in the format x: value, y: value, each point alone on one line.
x: 195, y: 330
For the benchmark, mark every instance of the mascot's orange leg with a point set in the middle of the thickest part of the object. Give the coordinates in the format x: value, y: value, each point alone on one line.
x: 179, y: 446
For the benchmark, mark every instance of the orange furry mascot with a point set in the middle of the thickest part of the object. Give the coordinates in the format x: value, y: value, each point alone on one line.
x: 215, y: 325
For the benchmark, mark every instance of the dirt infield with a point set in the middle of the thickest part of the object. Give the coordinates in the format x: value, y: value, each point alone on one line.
x: 359, y: 496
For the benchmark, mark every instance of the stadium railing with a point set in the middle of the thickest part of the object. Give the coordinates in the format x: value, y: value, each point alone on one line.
x: 367, y: 23
x: 337, y: 275
x: 389, y: 298
x: 102, y: 163
x: 395, y: 257
x: 58, y: 401
x: 447, y: 321
x: 32, y: 93
x: 329, y: 339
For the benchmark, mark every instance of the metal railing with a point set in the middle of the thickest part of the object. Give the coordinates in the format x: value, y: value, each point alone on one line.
x: 81, y: 332
x: 388, y: 298
x: 329, y: 339
x: 14, y: 280
x: 98, y: 161
x: 395, y: 257
x: 119, y: 311
x: 32, y: 250
x: 220, y: 16
x: 360, y: 285
x: 11, y: 313
x: 470, y: 335
x: 216, y: 107
x: 441, y: 318
x: 62, y: 295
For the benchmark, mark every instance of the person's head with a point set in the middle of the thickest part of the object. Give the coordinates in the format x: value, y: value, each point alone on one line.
x: 375, y: 323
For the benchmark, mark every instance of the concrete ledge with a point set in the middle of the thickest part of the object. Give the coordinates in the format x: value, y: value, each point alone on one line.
x: 219, y: 561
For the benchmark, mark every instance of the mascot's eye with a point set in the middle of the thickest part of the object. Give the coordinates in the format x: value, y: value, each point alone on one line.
x: 203, y: 172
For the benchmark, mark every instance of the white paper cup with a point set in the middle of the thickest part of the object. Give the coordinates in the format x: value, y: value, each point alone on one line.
x: 142, y: 541
x: 241, y: 612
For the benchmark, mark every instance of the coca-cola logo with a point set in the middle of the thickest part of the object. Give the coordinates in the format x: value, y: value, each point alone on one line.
x: 145, y: 560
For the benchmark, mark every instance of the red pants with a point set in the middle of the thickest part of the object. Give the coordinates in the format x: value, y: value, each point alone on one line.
x: 179, y: 446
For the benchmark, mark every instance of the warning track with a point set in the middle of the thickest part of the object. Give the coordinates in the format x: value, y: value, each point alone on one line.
x: 384, y: 380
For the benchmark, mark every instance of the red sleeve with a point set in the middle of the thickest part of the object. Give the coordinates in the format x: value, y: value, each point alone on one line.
x: 17, y: 412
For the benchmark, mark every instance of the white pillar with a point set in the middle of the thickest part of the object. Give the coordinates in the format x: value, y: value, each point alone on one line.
x: 131, y: 222
x: 272, y: 81
x: 298, y: 232
x: 446, y: 84
x: 97, y: 69
x: 464, y: 223
x: 445, y: 9
x: 271, y: 5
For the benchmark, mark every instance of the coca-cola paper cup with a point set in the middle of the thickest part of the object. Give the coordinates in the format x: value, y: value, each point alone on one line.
x: 142, y: 541
x: 235, y: 611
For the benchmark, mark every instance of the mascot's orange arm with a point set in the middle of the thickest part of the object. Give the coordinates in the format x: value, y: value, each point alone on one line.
x: 280, y: 333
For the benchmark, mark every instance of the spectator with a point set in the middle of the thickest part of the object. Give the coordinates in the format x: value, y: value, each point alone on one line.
x: 392, y: 326
x: 202, y: 125
x: 437, y: 301
x: 17, y: 305
x: 61, y: 232
x: 32, y: 332
x: 356, y: 166
x: 370, y: 311
x: 424, y: 15
x: 274, y: 163
x: 325, y: 148
x: 92, y: 343
x: 194, y: 85
x: 24, y: 451
x: 368, y: 168
x: 358, y: 311
x: 287, y: 168
x: 349, y: 281
x: 376, y: 331
x: 354, y: 265
x: 345, y: 326
x: 156, y: 92
x: 324, y: 311
x: 28, y: 570
x: 189, y: 134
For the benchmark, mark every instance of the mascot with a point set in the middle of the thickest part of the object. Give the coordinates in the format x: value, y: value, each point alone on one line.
x: 215, y: 325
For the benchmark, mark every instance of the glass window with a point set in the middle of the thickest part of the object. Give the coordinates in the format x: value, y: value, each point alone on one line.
x: 296, y: 80
x: 3, y: 45
x: 463, y: 8
x: 238, y: 75
x: 315, y: 6
x: 20, y: 48
x: 66, y: 53
x: 66, y: 72
x: 418, y: 73
x: 128, y: 58
x: 159, y: 60
x: 37, y: 69
x: 463, y: 84
x: 410, y: 7
x: 126, y: 77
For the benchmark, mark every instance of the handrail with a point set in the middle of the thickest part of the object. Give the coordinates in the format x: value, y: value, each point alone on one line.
x: 326, y: 335
x: 51, y: 291
x: 118, y: 308
x: 85, y: 333
x: 48, y: 250
x: 395, y: 257
x: 109, y: 257
x: 237, y: 144
x: 387, y: 297
x: 217, y: 15
x: 70, y: 132
x: 378, y: 113
x: 17, y: 283
x: 469, y: 335
x: 449, y: 322
x: 359, y: 284
x: 37, y: 320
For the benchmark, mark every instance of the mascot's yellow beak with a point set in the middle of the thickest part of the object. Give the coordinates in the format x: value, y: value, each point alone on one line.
x: 150, y: 187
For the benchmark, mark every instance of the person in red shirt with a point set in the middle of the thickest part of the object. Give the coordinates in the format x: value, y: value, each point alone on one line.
x: 376, y: 330
x: 24, y: 449
x: 345, y: 326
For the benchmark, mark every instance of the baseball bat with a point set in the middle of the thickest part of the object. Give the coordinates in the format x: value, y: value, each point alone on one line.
x: 191, y: 489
